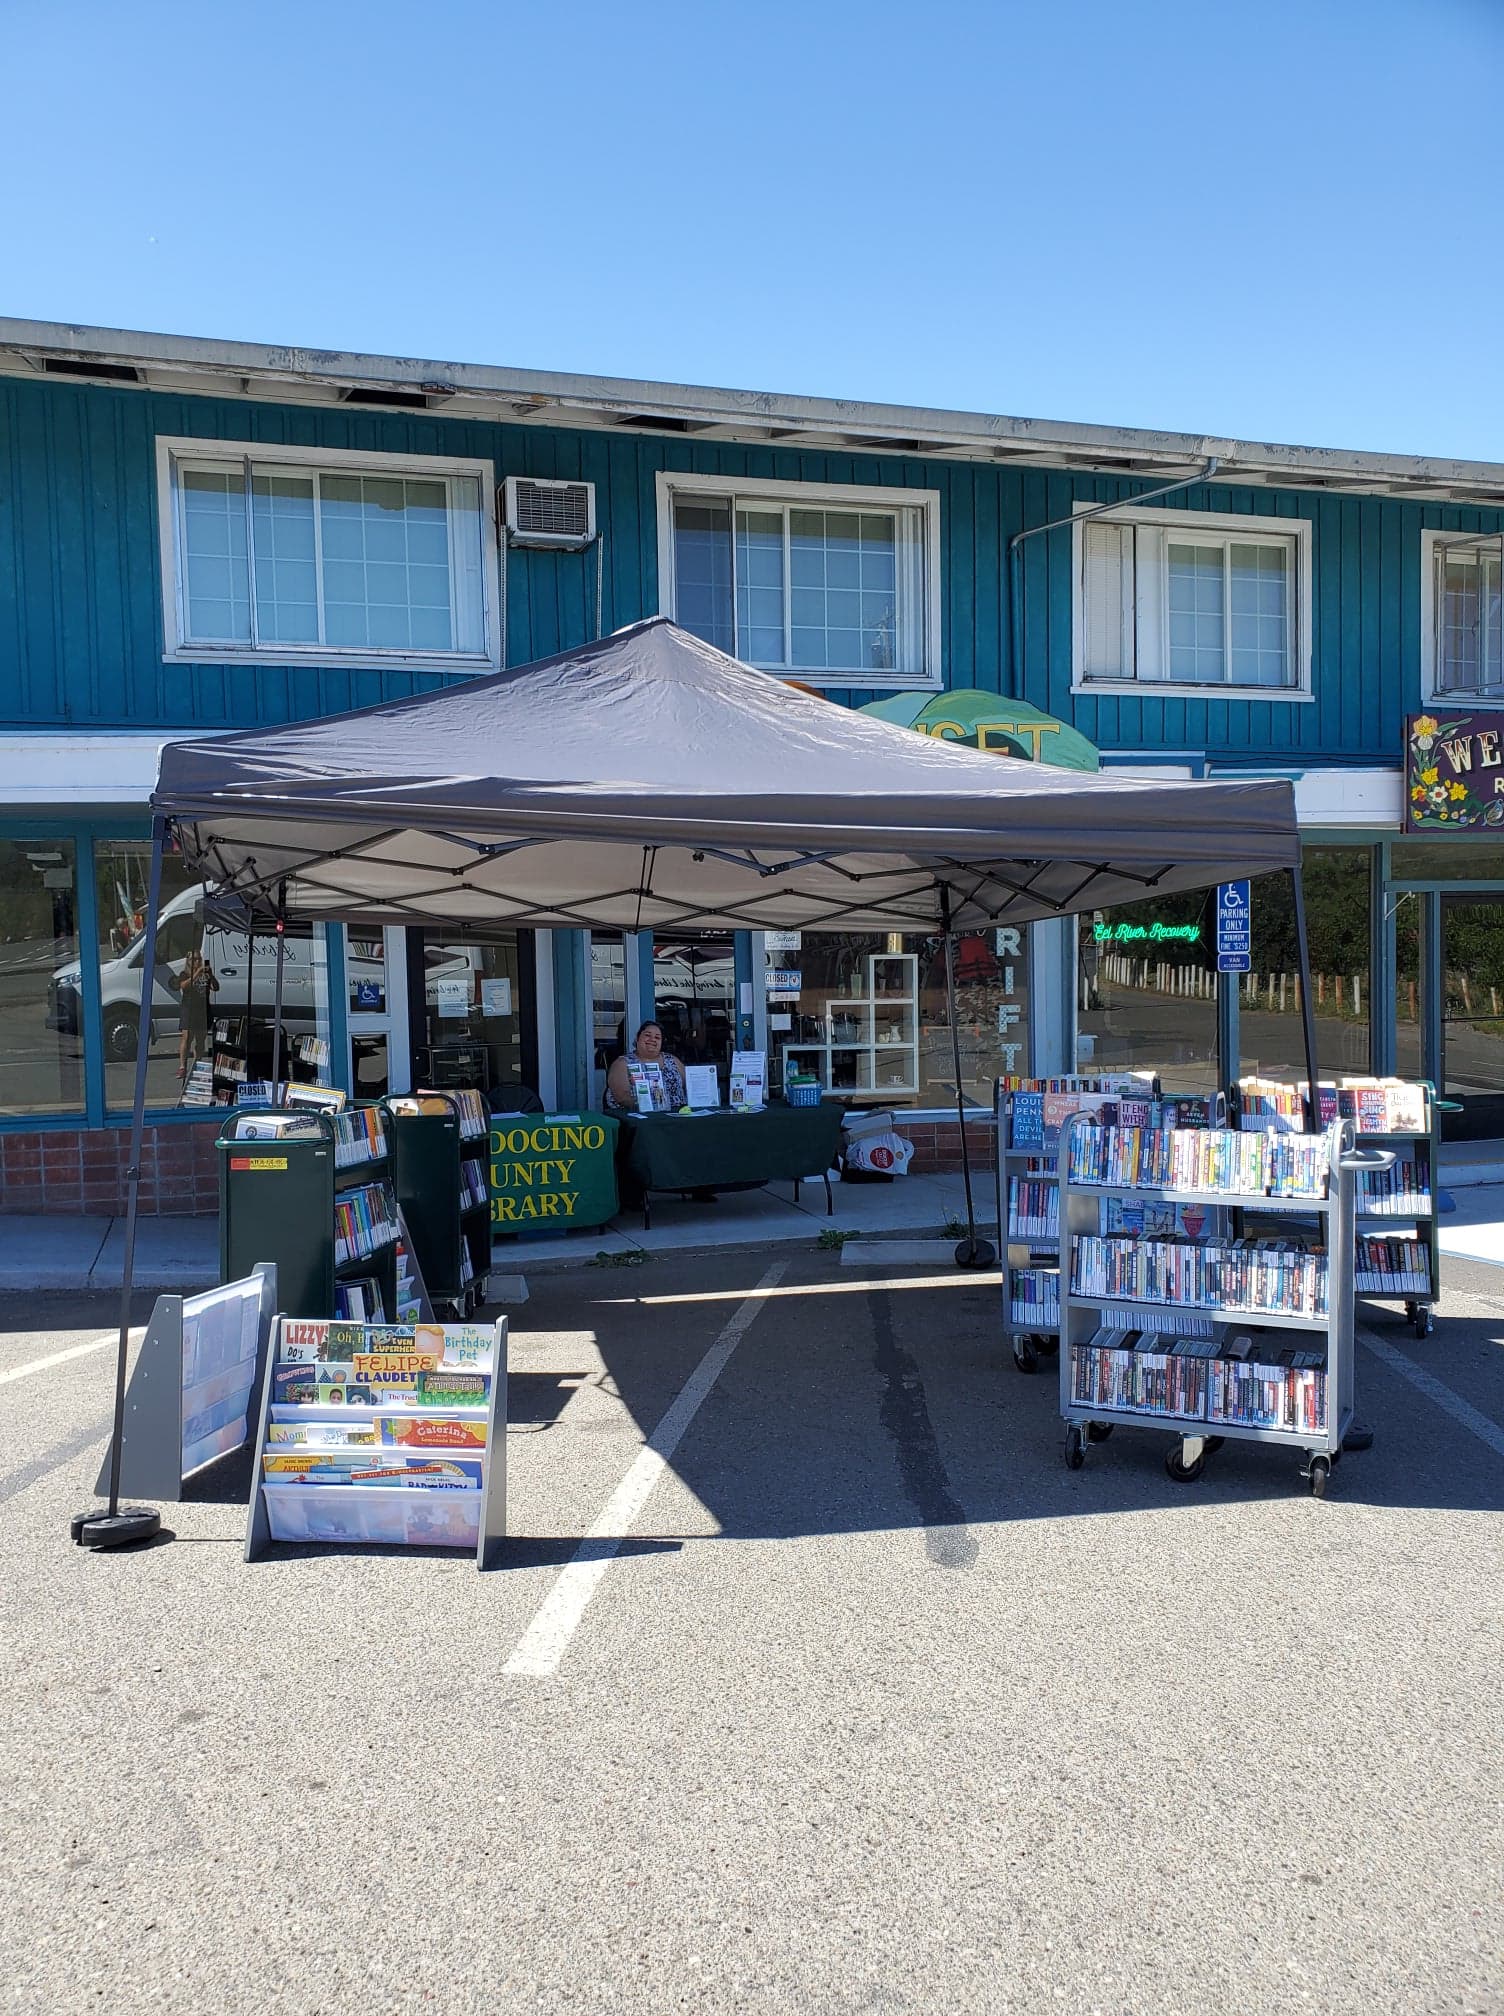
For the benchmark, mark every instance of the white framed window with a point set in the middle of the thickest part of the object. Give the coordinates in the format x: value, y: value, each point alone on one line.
x: 1187, y: 602
x: 272, y: 554
x: 1462, y: 603
x: 835, y: 586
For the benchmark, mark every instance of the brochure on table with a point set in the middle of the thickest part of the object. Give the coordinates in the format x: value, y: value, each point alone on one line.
x: 702, y: 1087
x: 749, y: 1081
x: 382, y: 1435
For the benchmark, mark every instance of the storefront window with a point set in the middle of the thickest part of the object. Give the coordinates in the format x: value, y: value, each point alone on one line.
x: 41, y: 1043
x: 233, y: 1027
x: 1409, y: 1037
x: 478, y: 1010
x: 1147, y: 991
x: 1472, y: 939
x: 122, y: 871
x: 1336, y: 883
x: 868, y: 1014
x: 1459, y: 860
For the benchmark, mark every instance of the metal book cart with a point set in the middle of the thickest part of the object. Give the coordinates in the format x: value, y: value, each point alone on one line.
x: 1029, y: 1261
x: 1377, y: 1210
x: 1083, y: 1313
x: 450, y: 1224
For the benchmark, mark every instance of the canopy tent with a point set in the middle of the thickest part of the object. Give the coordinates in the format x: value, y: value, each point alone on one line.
x: 649, y: 782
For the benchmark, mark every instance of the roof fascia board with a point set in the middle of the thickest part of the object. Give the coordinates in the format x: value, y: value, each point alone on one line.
x: 563, y: 398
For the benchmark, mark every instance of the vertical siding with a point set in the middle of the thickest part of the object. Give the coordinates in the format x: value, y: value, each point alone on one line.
x: 80, y: 601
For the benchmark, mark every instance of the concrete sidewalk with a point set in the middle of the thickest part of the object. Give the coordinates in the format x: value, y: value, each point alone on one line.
x: 182, y: 1254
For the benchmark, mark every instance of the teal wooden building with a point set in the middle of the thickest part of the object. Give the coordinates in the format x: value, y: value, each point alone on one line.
x: 201, y: 534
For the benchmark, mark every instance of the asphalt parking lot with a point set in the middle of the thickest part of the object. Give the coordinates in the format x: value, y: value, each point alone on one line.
x: 859, y: 1701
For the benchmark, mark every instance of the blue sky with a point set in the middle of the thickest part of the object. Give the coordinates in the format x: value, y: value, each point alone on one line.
x: 1275, y: 222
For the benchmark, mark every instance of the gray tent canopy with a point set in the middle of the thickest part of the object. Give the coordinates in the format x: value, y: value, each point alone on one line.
x: 647, y: 781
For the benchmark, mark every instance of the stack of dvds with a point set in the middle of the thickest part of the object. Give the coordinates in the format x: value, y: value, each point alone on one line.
x: 359, y: 1136
x: 1033, y: 1209
x: 472, y: 1184
x: 1401, y: 1191
x: 1184, y: 1158
x: 365, y: 1220
x: 1252, y: 1276
x: 1392, y: 1267
x: 1034, y: 1298
x: 1193, y: 1379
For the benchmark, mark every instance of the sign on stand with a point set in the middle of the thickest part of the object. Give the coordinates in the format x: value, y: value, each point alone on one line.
x: 1234, y: 928
x: 552, y: 1172
x: 192, y: 1393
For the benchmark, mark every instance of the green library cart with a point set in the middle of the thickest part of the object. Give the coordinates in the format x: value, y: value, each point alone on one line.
x: 439, y: 1174
x: 312, y: 1193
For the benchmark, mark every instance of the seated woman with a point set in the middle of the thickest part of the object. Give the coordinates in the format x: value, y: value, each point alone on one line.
x: 647, y: 1048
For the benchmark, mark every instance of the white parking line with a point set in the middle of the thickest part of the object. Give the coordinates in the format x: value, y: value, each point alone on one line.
x: 62, y: 1357
x: 1434, y: 1389
x: 545, y: 1641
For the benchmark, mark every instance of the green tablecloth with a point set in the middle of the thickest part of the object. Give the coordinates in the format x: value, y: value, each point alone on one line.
x: 671, y: 1151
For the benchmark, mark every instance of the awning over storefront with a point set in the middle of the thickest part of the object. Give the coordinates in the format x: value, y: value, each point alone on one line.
x: 647, y: 781
x: 981, y: 720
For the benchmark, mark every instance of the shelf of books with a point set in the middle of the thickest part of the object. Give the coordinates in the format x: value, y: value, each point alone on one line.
x: 382, y: 1435
x: 1030, y: 1113
x: 310, y: 1189
x: 1397, y: 1253
x: 438, y: 1149
x: 1172, y: 1318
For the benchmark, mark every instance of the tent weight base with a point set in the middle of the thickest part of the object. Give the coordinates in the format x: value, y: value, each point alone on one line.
x: 99, y: 1528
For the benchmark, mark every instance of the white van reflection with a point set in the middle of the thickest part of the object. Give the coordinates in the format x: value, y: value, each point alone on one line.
x: 245, y: 983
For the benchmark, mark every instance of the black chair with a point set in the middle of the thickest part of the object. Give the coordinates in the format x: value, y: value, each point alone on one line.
x: 514, y: 1097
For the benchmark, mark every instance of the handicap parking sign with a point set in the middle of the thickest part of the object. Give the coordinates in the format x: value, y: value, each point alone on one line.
x: 1234, y: 920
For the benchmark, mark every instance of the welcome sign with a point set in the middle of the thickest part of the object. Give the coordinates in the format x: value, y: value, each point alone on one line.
x: 1454, y: 773
x: 552, y: 1170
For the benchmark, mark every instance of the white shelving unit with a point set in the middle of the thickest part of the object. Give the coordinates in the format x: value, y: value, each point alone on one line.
x: 870, y: 1043
x: 1082, y: 1314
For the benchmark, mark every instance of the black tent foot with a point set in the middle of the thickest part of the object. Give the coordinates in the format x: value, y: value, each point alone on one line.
x: 1359, y: 1436
x: 98, y: 1528
x: 974, y: 1252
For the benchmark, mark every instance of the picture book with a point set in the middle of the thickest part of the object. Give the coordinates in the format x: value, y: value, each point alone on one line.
x: 322, y: 1434
x: 430, y: 1431
x: 468, y: 1345
x: 446, y: 1388
x: 382, y: 1467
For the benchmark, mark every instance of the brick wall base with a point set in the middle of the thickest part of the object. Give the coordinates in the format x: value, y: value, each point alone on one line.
x: 82, y: 1172
x: 937, y: 1145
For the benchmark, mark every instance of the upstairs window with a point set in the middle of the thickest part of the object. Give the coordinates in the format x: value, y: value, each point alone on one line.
x: 833, y: 587
x: 1464, y: 650
x: 1183, y: 601
x: 284, y: 553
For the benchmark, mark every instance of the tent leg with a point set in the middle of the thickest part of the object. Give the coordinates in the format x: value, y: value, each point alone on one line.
x: 971, y: 1252
x: 1307, y: 1006
x: 120, y: 1524
x: 277, y: 996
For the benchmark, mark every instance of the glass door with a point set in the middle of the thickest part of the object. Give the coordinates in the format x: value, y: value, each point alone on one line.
x: 1472, y: 1049
x: 694, y: 998
x: 376, y: 983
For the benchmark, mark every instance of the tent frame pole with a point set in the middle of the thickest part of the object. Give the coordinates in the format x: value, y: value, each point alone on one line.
x: 1307, y: 1007
x: 971, y: 1252
x: 118, y: 1525
x: 277, y: 995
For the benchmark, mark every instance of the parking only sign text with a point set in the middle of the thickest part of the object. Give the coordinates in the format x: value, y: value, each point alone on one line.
x: 1234, y: 917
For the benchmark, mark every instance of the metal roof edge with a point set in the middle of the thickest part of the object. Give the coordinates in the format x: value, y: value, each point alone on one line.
x: 605, y: 401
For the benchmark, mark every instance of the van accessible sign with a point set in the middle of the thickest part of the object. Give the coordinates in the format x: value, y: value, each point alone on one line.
x: 552, y: 1170
x: 1234, y: 923
x: 1454, y: 773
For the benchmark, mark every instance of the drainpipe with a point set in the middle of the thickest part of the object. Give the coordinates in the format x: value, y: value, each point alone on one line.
x: 1015, y: 575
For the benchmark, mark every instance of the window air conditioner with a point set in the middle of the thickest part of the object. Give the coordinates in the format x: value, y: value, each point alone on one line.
x: 540, y: 512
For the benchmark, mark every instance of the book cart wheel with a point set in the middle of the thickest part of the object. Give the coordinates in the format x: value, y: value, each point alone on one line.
x: 1319, y: 1475
x: 1075, y: 1447
x: 1421, y: 1318
x: 1177, y: 1467
x: 1024, y: 1355
x: 1045, y: 1344
x: 1098, y: 1431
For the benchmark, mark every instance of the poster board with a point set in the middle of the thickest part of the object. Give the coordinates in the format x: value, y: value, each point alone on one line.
x: 193, y: 1388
